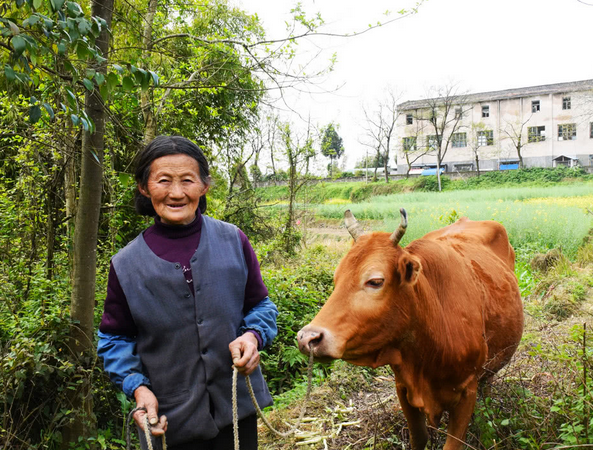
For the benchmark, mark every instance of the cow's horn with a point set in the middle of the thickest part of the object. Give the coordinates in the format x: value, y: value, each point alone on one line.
x: 401, y: 230
x: 352, y: 225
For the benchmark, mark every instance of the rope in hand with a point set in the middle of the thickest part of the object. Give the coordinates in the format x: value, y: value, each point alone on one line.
x: 147, y: 426
x: 258, y: 409
x: 147, y: 433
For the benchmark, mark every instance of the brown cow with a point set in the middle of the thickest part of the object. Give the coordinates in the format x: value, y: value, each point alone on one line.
x: 443, y: 312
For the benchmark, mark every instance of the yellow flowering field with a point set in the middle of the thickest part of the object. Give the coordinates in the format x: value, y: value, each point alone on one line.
x: 582, y: 201
x: 535, y: 218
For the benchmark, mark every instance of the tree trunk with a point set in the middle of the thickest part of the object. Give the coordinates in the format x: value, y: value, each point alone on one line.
x: 386, y: 160
x: 150, y: 128
x: 289, y: 241
x: 70, y: 189
x: 478, y: 165
x: 52, y: 209
x: 273, y: 165
x: 439, y: 172
x: 85, y: 245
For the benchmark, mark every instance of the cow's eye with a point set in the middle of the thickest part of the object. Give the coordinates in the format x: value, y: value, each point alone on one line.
x: 375, y: 282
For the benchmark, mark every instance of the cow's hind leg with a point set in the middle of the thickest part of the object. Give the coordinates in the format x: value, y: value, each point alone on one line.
x: 459, y: 418
x: 416, y: 421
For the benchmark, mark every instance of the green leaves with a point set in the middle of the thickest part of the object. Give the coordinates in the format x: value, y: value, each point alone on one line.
x: 155, y: 78
x: 88, y: 84
x: 34, y: 113
x: 84, y: 26
x: 49, y: 110
x: 9, y: 72
x: 128, y: 83
x: 112, y: 81
x: 19, y: 44
x: 99, y: 78
x: 57, y: 4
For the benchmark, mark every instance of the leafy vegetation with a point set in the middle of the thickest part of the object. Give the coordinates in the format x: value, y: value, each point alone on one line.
x: 198, y: 69
x: 356, y: 192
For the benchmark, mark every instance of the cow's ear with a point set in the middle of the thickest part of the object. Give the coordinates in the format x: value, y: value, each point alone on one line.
x: 409, y: 268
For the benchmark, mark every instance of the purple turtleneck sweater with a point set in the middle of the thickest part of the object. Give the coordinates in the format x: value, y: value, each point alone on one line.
x: 174, y: 243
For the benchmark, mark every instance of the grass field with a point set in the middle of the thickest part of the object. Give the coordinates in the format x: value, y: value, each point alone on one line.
x: 535, y: 217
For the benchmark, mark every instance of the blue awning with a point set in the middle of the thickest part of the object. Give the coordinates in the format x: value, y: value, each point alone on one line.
x: 511, y: 166
x: 431, y: 171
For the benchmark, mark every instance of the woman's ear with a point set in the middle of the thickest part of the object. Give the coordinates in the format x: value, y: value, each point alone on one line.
x: 143, y: 191
x: 409, y: 268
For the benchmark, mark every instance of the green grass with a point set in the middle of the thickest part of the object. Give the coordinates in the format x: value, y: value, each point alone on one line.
x: 539, y: 225
x: 319, y: 192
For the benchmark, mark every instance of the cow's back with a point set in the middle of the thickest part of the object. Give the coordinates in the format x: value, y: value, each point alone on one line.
x: 488, y: 233
x: 480, y: 251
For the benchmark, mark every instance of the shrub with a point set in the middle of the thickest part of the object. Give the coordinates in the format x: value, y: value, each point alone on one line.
x: 431, y: 183
x: 544, y: 398
x: 299, y: 289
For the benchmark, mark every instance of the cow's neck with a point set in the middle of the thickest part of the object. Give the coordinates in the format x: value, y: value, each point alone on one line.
x: 444, y: 344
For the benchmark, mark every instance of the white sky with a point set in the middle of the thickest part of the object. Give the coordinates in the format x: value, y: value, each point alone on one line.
x: 481, y: 45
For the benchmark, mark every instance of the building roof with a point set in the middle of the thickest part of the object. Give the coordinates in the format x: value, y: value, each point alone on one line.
x: 531, y: 91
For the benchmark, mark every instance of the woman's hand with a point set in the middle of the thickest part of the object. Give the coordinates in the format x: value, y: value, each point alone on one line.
x: 244, y: 353
x: 146, y: 399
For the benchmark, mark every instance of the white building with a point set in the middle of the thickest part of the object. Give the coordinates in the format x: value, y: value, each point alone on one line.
x: 553, y: 122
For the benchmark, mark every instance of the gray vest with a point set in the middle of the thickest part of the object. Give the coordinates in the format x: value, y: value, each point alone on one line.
x: 183, y: 341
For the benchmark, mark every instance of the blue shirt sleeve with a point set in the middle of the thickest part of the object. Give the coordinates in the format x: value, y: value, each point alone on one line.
x: 121, y: 362
x: 262, y: 319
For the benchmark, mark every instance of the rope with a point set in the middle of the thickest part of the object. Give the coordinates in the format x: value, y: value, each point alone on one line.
x: 294, y: 429
x: 258, y: 409
x: 147, y: 433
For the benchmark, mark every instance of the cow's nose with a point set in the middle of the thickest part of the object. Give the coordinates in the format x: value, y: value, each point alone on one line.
x: 308, y: 339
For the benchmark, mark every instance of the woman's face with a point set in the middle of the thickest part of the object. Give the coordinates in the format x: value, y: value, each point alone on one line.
x: 175, y: 187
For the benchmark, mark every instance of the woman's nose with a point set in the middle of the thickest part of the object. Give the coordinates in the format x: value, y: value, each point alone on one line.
x: 176, y: 190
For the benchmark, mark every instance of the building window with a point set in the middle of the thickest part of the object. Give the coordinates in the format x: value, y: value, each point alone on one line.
x: 535, y: 106
x: 485, y: 111
x: 485, y: 138
x: 565, y: 102
x: 410, y: 144
x: 458, y: 113
x: 536, y: 134
x: 431, y: 143
x: 409, y: 119
x: 567, y: 132
x: 459, y: 140
x: 464, y: 167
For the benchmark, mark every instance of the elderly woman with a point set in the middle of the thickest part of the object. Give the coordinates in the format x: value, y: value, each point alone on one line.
x: 185, y: 301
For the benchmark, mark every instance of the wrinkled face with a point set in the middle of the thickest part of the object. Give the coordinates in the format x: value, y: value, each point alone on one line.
x: 174, y: 186
x: 366, y: 315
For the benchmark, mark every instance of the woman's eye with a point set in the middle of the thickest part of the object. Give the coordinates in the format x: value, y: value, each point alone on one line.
x: 375, y: 282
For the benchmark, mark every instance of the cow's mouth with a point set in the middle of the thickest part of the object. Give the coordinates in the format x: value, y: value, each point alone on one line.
x: 369, y: 359
x: 314, y: 347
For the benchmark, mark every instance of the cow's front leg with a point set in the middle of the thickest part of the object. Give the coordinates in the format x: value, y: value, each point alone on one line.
x: 460, y: 416
x: 416, y: 421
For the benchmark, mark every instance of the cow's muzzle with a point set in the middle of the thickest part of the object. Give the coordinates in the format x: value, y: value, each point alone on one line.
x: 318, y: 341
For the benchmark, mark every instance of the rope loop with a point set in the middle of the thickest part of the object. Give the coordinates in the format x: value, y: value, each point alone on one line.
x: 147, y: 429
x: 258, y: 409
